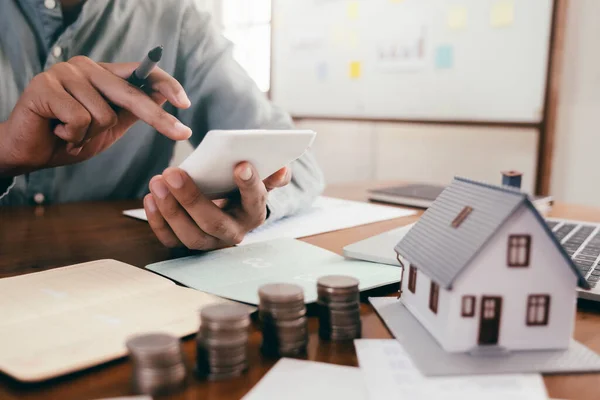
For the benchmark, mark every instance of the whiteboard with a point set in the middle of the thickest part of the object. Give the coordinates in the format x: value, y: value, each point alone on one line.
x: 441, y: 60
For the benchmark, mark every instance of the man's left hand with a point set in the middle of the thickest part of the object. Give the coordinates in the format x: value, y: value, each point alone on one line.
x: 180, y: 215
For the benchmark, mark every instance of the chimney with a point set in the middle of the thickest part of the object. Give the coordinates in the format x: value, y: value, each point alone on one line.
x: 512, y: 179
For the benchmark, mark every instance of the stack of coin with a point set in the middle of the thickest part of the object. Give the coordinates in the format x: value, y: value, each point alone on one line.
x: 158, y: 366
x: 339, y: 307
x: 222, y: 341
x: 283, y: 317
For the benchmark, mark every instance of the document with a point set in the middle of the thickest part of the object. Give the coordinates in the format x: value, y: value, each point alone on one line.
x: 292, y: 379
x: 66, y: 319
x: 387, y: 368
x: 327, y: 214
x: 237, y: 273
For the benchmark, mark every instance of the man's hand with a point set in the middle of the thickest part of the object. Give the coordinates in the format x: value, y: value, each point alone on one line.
x: 67, y: 114
x: 182, y: 216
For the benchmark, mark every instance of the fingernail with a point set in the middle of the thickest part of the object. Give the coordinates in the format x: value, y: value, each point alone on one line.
x: 183, y: 99
x: 174, y: 179
x: 245, y: 173
x: 151, y: 204
x: 183, y: 130
x: 73, y: 149
x: 159, y: 189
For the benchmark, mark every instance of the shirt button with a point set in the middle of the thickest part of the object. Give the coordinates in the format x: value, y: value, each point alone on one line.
x: 57, y: 51
x: 50, y: 4
x: 39, y: 198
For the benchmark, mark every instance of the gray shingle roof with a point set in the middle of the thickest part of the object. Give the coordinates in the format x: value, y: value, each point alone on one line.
x: 442, y: 251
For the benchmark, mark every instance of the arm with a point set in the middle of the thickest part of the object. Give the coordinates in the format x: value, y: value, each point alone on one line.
x: 223, y: 96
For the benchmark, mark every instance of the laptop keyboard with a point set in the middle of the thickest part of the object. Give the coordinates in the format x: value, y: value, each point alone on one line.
x: 582, y: 243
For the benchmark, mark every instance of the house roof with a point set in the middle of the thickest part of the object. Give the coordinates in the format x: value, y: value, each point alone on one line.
x: 442, y: 251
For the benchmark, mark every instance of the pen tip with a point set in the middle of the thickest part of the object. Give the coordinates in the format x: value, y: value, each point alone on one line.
x: 156, y: 53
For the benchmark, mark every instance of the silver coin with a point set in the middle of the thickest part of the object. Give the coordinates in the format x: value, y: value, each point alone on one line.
x: 155, y: 350
x: 223, y: 335
x: 334, y: 298
x: 227, y: 342
x: 338, y: 282
x: 224, y: 314
x: 282, y: 314
x: 157, y: 381
x: 281, y: 293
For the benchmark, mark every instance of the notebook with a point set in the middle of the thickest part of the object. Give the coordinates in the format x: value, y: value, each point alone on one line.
x: 66, y: 319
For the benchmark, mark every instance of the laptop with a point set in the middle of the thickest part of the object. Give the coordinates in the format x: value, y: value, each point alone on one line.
x: 580, y: 239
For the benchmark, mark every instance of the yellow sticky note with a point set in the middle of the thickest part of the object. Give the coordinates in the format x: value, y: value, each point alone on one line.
x: 355, y: 69
x: 503, y: 13
x: 353, y: 8
x: 457, y: 18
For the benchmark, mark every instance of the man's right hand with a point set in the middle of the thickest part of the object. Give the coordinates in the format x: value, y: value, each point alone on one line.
x: 65, y: 116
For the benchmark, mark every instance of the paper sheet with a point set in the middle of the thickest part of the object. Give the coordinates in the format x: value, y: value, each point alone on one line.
x: 503, y: 13
x: 444, y: 57
x: 327, y: 214
x: 387, y: 368
x: 59, y: 321
x: 457, y: 17
x: 355, y: 69
x: 237, y: 273
x: 292, y: 379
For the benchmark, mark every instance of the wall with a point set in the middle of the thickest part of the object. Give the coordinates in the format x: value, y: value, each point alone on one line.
x: 362, y: 151
x: 576, y: 172
x: 489, y: 275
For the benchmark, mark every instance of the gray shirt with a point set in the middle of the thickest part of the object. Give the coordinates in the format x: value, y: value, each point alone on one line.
x: 223, y: 96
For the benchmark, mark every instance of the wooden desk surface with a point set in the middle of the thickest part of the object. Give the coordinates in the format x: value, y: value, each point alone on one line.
x: 36, y: 239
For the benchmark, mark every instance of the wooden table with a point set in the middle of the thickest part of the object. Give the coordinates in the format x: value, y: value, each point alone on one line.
x: 36, y: 239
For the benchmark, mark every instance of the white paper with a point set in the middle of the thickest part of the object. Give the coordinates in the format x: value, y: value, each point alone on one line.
x: 327, y: 214
x: 292, y: 379
x: 387, y: 368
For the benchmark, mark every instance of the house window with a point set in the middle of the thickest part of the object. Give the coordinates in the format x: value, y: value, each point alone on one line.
x: 434, y: 294
x: 412, y: 279
x: 538, y: 307
x: 518, y: 250
x: 461, y: 216
x: 468, y: 306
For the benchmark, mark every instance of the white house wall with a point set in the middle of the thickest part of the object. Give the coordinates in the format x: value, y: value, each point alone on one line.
x: 418, y: 304
x: 489, y: 274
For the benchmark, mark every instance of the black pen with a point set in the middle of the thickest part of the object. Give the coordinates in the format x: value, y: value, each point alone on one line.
x: 138, y: 77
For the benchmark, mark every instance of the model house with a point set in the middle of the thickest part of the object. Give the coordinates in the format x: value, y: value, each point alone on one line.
x: 481, y: 268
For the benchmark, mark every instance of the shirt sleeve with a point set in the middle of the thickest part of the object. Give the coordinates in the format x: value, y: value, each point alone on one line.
x: 223, y: 96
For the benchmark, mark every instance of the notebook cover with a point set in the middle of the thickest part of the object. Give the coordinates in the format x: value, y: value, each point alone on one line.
x: 66, y: 319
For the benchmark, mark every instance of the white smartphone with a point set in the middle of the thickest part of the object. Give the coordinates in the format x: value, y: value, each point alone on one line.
x: 211, y: 165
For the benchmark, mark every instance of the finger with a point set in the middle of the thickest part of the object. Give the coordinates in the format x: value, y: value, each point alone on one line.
x: 103, y: 116
x: 279, y: 179
x: 126, y: 96
x: 159, y: 80
x: 253, y: 194
x: 58, y: 104
x: 206, y: 214
x: 180, y: 222
x: 127, y: 119
x: 159, y: 226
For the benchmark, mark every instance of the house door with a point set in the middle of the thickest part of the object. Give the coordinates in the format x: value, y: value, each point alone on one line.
x: 489, y: 320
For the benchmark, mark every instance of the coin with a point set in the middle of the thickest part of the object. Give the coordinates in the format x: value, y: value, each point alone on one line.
x: 337, y: 283
x: 281, y: 293
x: 155, y: 350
